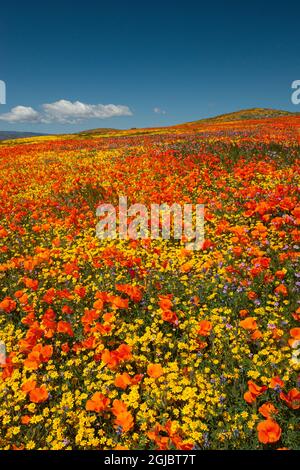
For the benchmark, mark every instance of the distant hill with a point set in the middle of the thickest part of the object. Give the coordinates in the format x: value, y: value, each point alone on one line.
x: 8, y: 135
x: 100, y: 130
x: 252, y: 113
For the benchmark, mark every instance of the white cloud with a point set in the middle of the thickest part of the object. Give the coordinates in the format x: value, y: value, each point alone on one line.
x: 159, y: 110
x: 64, y: 111
x: 21, y: 114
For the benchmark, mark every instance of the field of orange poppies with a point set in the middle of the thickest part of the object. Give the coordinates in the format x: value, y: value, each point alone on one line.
x: 143, y: 344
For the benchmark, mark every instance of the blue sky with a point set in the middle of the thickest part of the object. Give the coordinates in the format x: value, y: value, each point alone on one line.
x: 183, y: 59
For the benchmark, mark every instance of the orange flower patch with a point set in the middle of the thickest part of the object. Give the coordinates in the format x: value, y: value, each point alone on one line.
x: 292, y: 398
x: 155, y: 370
x: 205, y: 327
x: 249, y: 323
x: 8, y: 305
x: 268, y: 410
x: 98, y: 403
x: 268, y: 431
x: 38, y: 395
x: 65, y: 328
x: 122, y: 381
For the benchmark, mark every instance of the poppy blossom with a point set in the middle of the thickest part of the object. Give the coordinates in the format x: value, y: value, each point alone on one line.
x: 8, y: 305
x: 28, y: 386
x: 134, y: 292
x: 155, y: 370
x: 268, y: 410
x: 165, y: 303
x: 268, y: 431
x: 172, y: 333
x: 204, y: 327
x: 249, y: 397
x: 98, y: 304
x: 38, y: 395
x: 292, y: 398
x: 249, y: 323
x: 124, y: 420
x: 119, y: 302
x: 252, y: 295
x: 122, y: 380
x: 65, y: 328
x: 281, y: 289
x: 256, y: 389
x: 253, y: 392
x: 256, y: 335
x: 38, y: 355
x: 170, y: 317
x: 243, y: 313
x: 118, y: 407
x: 295, y: 333
x: 25, y: 419
x: 276, y: 382
x: 98, y: 403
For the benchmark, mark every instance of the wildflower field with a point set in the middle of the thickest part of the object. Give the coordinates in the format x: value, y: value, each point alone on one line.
x: 143, y: 344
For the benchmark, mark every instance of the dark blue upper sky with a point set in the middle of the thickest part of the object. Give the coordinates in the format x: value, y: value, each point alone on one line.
x: 188, y: 59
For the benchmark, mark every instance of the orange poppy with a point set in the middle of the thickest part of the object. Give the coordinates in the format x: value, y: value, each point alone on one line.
x: 119, y: 302
x: 295, y: 333
x: 251, y: 295
x: 256, y: 389
x: 134, y: 292
x: 38, y: 395
x: 124, y: 351
x: 186, y: 267
x: 122, y: 381
x: 292, y: 398
x: 124, y: 420
x: 280, y: 274
x: 205, y: 327
x: 170, y: 317
x: 249, y: 397
x: 28, y: 386
x: 268, y: 431
x: 65, y: 327
x: 80, y: 290
x: 110, y: 358
x: 165, y: 303
x: 113, y: 358
x: 67, y: 310
x: 253, y: 392
x: 296, y: 315
x: 267, y: 410
x: 25, y: 419
x: 243, y: 313
x: 8, y: 305
x: 155, y: 370
x: 98, y: 304
x: 281, y: 289
x: 276, y: 382
x: 249, y: 323
x: 98, y: 403
x: 256, y: 335
x: 118, y: 407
